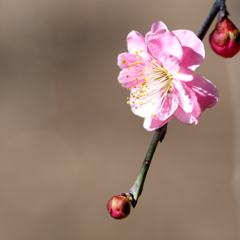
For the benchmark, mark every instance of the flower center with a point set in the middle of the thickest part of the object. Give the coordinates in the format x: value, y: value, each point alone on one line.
x: 151, y: 82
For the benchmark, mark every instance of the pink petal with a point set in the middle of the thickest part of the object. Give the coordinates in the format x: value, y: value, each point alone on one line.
x: 193, y: 48
x: 171, y: 63
x: 188, y: 118
x: 168, y: 105
x: 206, y: 92
x: 187, y: 98
x: 174, y: 67
x: 124, y: 59
x: 167, y: 41
x: 183, y: 75
x: 158, y: 26
x: 136, y: 42
x: 145, y: 110
x: 153, y: 123
x: 127, y: 77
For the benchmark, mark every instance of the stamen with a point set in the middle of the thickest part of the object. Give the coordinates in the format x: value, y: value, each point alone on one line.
x: 151, y: 82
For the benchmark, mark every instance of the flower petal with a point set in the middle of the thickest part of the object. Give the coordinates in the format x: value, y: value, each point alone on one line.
x: 206, y: 92
x: 187, y: 98
x: 153, y: 123
x: 167, y: 106
x: 188, y: 118
x: 158, y: 26
x: 124, y: 59
x: 193, y: 48
x: 136, y: 42
x: 127, y: 77
x: 174, y: 66
x: 144, y: 106
x: 167, y: 41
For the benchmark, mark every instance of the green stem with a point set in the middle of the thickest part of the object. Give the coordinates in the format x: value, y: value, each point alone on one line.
x: 137, y: 187
x: 159, y: 134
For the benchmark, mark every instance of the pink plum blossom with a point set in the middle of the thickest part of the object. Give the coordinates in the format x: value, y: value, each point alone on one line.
x: 158, y: 71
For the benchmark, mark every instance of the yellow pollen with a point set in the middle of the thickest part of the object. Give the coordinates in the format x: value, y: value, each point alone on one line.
x: 154, y: 114
x: 120, y: 84
x: 151, y: 80
x: 178, y: 71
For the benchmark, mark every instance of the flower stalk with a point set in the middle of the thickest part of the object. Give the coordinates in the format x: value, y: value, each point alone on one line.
x: 137, y: 187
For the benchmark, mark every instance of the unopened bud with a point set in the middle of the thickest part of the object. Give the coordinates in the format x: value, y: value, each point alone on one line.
x: 119, y: 206
x: 225, y: 39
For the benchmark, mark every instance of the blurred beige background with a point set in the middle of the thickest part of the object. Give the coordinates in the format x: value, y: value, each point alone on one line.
x: 69, y: 142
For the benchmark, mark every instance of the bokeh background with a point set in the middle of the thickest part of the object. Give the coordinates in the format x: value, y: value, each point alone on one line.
x: 68, y: 141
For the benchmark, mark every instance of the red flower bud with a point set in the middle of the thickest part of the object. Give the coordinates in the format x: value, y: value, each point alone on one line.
x: 225, y: 39
x: 119, y: 206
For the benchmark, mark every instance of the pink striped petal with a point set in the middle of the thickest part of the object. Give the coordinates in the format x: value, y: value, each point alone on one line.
x: 193, y: 48
x: 206, y: 92
x: 188, y: 118
x: 153, y: 123
x: 164, y: 41
x: 124, y: 59
x: 127, y: 77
